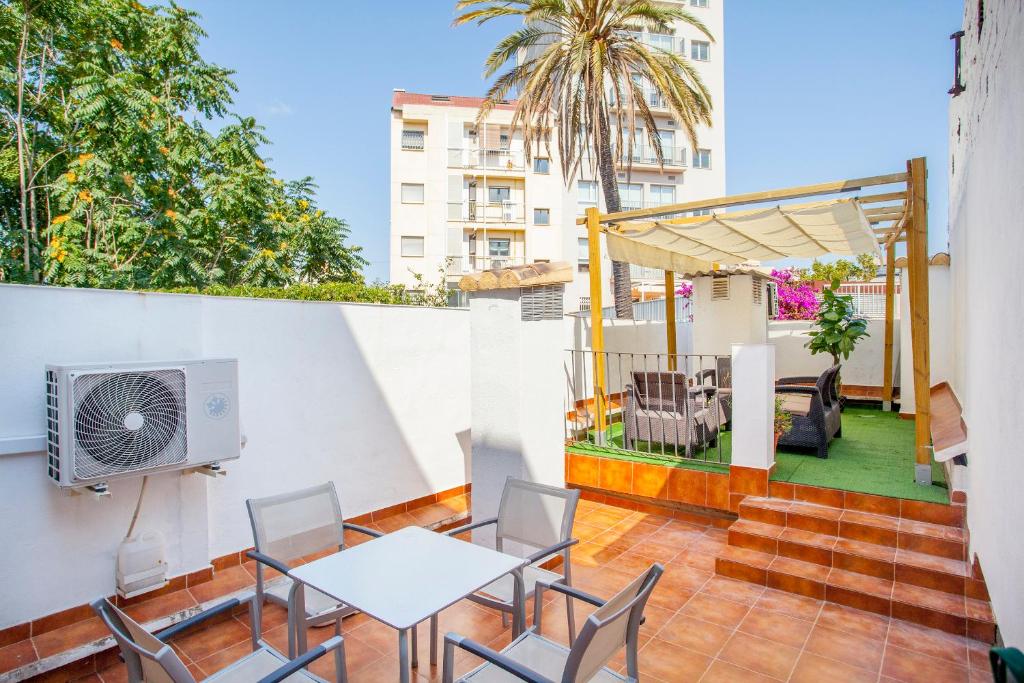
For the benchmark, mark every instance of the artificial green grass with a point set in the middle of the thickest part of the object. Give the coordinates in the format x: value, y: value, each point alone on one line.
x: 875, y: 455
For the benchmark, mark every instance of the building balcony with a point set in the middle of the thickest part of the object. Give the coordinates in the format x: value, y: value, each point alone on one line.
x: 460, y: 265
x: 488, y: 159
x: 499, y: 213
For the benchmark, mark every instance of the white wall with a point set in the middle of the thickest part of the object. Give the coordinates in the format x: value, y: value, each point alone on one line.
x: 940, y: 332
x: 863, y: 367
x: 737, y: 319
x: 375, y: 398
x: 986, y: 243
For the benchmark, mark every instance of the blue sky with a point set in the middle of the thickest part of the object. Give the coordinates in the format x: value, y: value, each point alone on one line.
x: 815, y: 90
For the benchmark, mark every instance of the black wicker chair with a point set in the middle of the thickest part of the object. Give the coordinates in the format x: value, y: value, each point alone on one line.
x: 816, y: 411
x: 721, y: 381
x: 662, y: 407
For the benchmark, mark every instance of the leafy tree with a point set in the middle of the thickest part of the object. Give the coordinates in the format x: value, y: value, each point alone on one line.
x: 111, y: 174
x: 838, y: 329
x: 863, y: 270
x: 577, y: 67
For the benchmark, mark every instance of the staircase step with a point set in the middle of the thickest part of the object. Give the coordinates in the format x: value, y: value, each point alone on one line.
x: 806, y: 546
x: 743, y: 564
x: 932, y: 571
x: 746, y: 533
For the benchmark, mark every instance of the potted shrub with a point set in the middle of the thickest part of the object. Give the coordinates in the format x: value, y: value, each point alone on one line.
x: 783, y: 420
x: 838, y: 330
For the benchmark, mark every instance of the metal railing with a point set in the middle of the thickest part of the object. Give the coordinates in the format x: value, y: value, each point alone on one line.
x: 652, y: 96
x: 493, y: 159
x: 674, y: 407
x: 869, y: 298
x: 664, y: 41
x: 459, y: 265
x: 646, y: 154
x: 487, y: 212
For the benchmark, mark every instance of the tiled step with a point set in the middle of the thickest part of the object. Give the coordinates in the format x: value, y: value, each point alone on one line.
x: 884, y: 562
x: 884, y: 530
x: 933, y: 608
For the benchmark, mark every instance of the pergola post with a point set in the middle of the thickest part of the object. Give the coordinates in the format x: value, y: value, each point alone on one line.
x: 890, y: 281
x: 596, y: 321
x: 917, y: 264
x: 670, y: 318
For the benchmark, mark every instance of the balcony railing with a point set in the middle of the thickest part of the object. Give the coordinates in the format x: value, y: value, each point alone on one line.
x: 490, y: 159
x: 459, y: 265
x: 652, y: 97
x: 664, y: 41
x: 489, y: 212
x: 646, y: 154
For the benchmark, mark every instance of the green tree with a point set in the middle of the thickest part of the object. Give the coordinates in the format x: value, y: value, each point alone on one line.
x: 838, y: 329
x: 113, y: 172
x: 577, y: 66
x: 863, y: 269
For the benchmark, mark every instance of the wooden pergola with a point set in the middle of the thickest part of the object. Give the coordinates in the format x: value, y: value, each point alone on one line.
x: 896, y: 214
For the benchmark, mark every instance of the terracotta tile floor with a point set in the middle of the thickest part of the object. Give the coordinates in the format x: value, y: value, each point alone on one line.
x: 698, y: 626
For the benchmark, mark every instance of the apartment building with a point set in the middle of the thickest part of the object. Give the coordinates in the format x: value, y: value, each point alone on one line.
x: 464, y: 197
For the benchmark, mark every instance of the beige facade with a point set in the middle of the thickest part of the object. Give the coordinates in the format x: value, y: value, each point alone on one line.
x: 465, y: 199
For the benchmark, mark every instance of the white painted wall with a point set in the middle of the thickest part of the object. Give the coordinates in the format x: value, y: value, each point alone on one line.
x: 863, y: 367
x: 375, y: 398
x: 737, y: 319
x: 940, y: 331
x: 986, y: 242
x: 753, y: 408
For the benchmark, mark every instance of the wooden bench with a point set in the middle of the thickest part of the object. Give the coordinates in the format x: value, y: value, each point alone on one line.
x: 949, y: 432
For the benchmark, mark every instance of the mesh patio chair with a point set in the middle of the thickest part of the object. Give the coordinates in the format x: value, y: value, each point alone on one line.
x: 535, y: 516
x: 287, y: 528
x: 149, y: 657
x: 817, y: 416
x: 532, y: 657
x: 662, y: 408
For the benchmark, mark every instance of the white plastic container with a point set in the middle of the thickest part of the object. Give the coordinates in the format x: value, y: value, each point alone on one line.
x: 141, y: 564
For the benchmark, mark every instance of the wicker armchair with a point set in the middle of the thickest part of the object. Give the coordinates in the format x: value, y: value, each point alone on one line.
x: 816, y: 412
x: 661, y: 407
x: 721, y: 380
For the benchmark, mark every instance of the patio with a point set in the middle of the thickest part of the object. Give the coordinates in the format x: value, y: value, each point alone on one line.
x: 699, y: 627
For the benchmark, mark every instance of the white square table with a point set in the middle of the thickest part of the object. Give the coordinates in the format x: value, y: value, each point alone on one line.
x: 407, y: 576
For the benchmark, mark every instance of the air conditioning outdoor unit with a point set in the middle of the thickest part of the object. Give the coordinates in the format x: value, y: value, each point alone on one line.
x: 113, y: 420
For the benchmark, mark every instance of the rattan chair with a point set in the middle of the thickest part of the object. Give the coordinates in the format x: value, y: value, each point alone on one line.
x: 532, y: 657
x: 721, y: 381
x: 149, y: 657
x: 662, y: 408
x: 533, y: 517
x: 287, y: 528
x: 816, y: 412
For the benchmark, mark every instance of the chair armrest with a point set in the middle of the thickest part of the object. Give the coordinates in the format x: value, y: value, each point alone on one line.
x: 472, y: 525
x: 494, y: 657
x: 704, y: 374
x: 542, y: 586
x: 333, y: 643
x: 362, y: 529
x: 813, y: 391
x: 541, y: 554
x: 226, y: 606
x: 797, y: 380
x: 269, y: 561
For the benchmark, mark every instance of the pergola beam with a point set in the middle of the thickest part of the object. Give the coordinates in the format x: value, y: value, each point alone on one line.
x: 756, y: 197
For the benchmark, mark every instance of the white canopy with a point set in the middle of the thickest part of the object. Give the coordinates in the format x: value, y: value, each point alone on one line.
x: 796, y: 231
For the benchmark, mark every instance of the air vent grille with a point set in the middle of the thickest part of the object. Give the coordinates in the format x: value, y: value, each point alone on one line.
x: 542, y: 303
x: 126, y: 421
x: 720, y: 288
x: 758, y: 289
x: 52, y: 428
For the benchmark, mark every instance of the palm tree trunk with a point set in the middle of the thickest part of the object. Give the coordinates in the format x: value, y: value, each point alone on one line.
x: 621, y: 283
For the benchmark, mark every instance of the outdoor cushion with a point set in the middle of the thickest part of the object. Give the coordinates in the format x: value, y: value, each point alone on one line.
x: 796, y: 404
x: 538, y: 654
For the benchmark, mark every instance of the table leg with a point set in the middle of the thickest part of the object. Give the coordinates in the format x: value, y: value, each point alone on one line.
x: 403, y: 656
x: 433, y: 640
x: 415, y: 647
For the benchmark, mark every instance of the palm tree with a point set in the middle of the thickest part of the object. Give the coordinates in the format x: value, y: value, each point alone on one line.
x: 577, y: 68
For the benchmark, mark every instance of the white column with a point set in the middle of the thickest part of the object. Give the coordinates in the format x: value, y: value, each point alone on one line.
x: 517, y: 397
x: 753, y: 405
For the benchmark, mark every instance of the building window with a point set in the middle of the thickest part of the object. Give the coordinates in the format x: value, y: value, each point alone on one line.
x: 497, y: 195
x: 702, y: 158
x: 542, y: 216
x: 412, y: 193
x: 586, y: 193
x: 701, y: 212
x: 412, y: 247
x: 413, y: 139
x: 698, y: 3
x: 499, y: 246
x: 631, y: 196
x: 663, y: 194
x: 583, y: 255
x: 541, y: 165
x: 700, y: 50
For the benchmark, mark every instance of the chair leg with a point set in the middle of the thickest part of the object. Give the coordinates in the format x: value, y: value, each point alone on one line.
x: 504, y: 619
x: 571, y: 616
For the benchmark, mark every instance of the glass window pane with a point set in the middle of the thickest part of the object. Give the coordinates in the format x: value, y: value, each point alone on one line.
x: 542, y: 216
x: 412, y: 193
x: 412, y: 139
x: 541, y: 165
x: 496, y: 195
x: 498, y: 247
x: 412, y: 246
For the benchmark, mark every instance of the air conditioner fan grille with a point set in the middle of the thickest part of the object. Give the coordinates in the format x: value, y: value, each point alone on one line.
x: 125, y: 421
